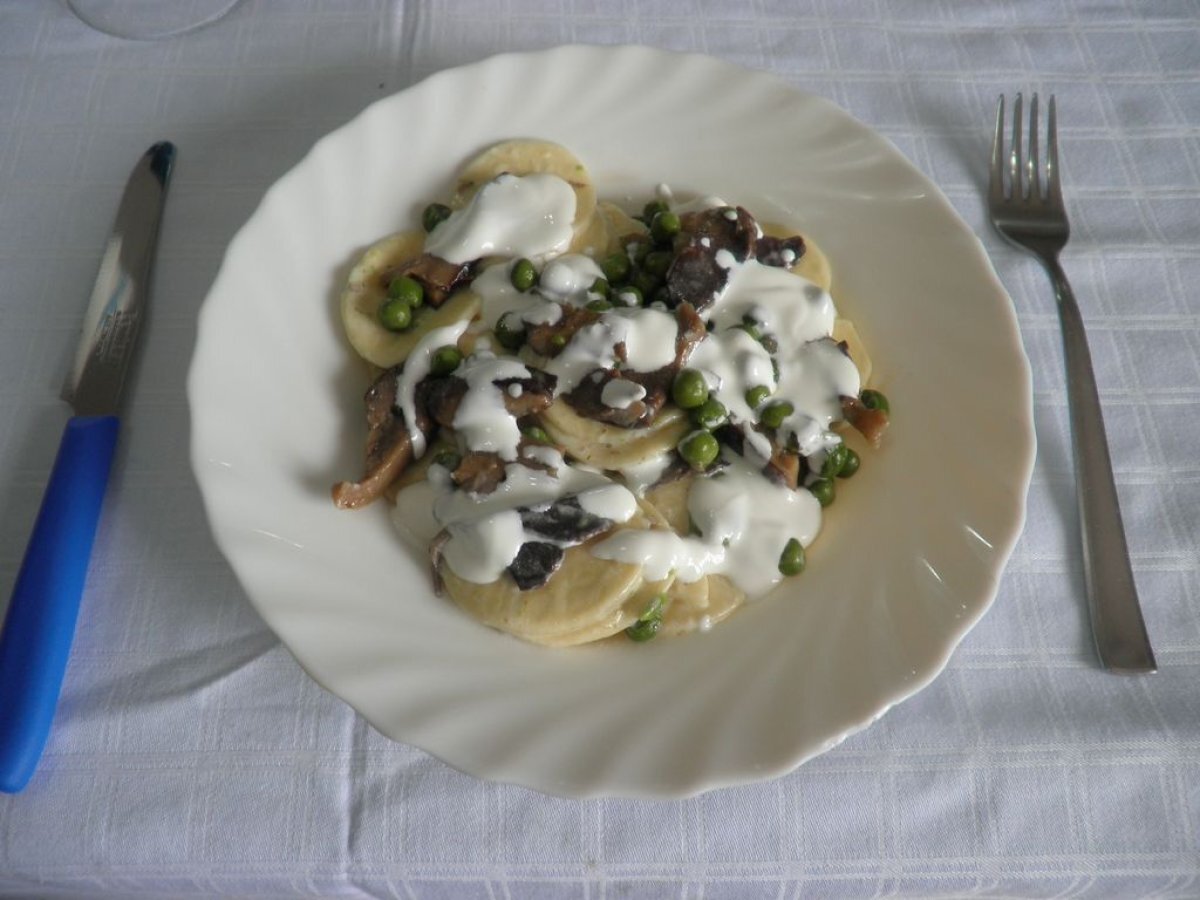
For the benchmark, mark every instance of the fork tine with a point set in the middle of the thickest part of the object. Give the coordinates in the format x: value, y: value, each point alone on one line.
x: 1014, y: 161
x: 1053, y: 182
x: 996, y: 178
x: 1033, y: 172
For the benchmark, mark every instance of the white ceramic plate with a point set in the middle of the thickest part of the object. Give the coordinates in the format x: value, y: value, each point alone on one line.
x: 911, y: 552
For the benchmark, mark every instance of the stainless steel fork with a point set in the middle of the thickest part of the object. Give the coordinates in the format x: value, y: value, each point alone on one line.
x: 1026, y: 205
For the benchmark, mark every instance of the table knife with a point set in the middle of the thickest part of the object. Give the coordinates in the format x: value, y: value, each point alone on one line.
x: 39, y: 626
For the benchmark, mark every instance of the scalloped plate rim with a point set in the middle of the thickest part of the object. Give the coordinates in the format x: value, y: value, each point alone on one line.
x: 1020, y: 473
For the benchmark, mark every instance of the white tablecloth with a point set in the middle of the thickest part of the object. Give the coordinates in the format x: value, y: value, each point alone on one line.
x: 192, y: 757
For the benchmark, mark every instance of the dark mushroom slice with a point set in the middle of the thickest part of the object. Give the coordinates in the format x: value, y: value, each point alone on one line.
x: 724, y: 228
x: 389, y: 445
x: 534, y: 563
x: 695, y: 275
x: 586, y: 400
x: 780, y: 252
x: 565, y: 523
x: 441, y: 396
x: 439, y: 277
x: 870, y: 423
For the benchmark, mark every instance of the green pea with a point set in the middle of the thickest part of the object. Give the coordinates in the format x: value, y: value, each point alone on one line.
x: 711, y: 414
x: 445, y: 360
x: 600, y: 305
x: 658, y: 262
x: 791, y: 560
x: 448, y: 459
x: 615, y: 267
x: 641, y: 249
x: 699, y: 450
x: 850, y: 466
x: 823, y: 490
x: 834, y: 460
x: 751, y: 329
x: 434, y: 215
x: 652, y: 209
x: 396, y: 315
x: 523, y: 275
x: 757, y: 396
x: 773, y: 414
x: 689, y: 389
x: 649, y: 622
x: 599, y: 286
x: 875, y: 400
x: 646, y: 282
x: 536, y: 433
x: 510, y: 332
x: 407, y: 289
x: 629, y: 296
x: 558, y: 341
x: 664, y: 226
x: 643, y: 631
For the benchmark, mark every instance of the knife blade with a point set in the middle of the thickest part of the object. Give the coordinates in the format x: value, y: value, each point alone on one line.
x: 38, y: 629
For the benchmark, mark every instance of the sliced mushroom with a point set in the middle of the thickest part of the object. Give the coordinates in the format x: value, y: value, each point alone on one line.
x: 479, y: 472
x: 785, y: 468
x: 781, y: 252
x: 564, y: 521
x: 389, y: 445
x: 696, y: 275
x: 439, y: 277
x: 535, y: 562
x: 871, y: 423
x: 587, y: 397
x: 441, y: 396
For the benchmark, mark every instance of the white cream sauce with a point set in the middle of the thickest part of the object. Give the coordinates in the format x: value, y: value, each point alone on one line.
x: 512, y: 215
x: 621, y: 394
x: 416, y: 367
x: 788, y: 306
x: 732, y: 362
x: 813, y: 377
x: 564, y: 280
x: 645, y: 474
x: 481, y: 421
x: 648, y: 336
x: 485, y: 530
x: 569, y: 278
x: 744, y: 519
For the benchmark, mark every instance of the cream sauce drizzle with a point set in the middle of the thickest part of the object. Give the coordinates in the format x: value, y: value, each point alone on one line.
x: 416, y: 367
x: 485, y: 531
x: 529, y: 215
x: 744, y: 520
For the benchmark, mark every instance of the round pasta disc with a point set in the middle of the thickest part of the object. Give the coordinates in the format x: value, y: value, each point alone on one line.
x: 694, y: 609
x: 697, y: 604
x: 583, y: 598
x: 365, y: 293
x: 609, y: 446
x: 530, y: 157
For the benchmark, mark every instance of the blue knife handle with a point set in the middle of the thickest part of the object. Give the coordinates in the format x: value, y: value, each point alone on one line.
x: 40, y: 624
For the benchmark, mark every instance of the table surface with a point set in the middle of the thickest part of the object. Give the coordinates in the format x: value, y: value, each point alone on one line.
x: 191, y: 756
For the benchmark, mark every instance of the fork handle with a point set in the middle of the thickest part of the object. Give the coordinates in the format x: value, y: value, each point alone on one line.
x: 1117, y: 623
